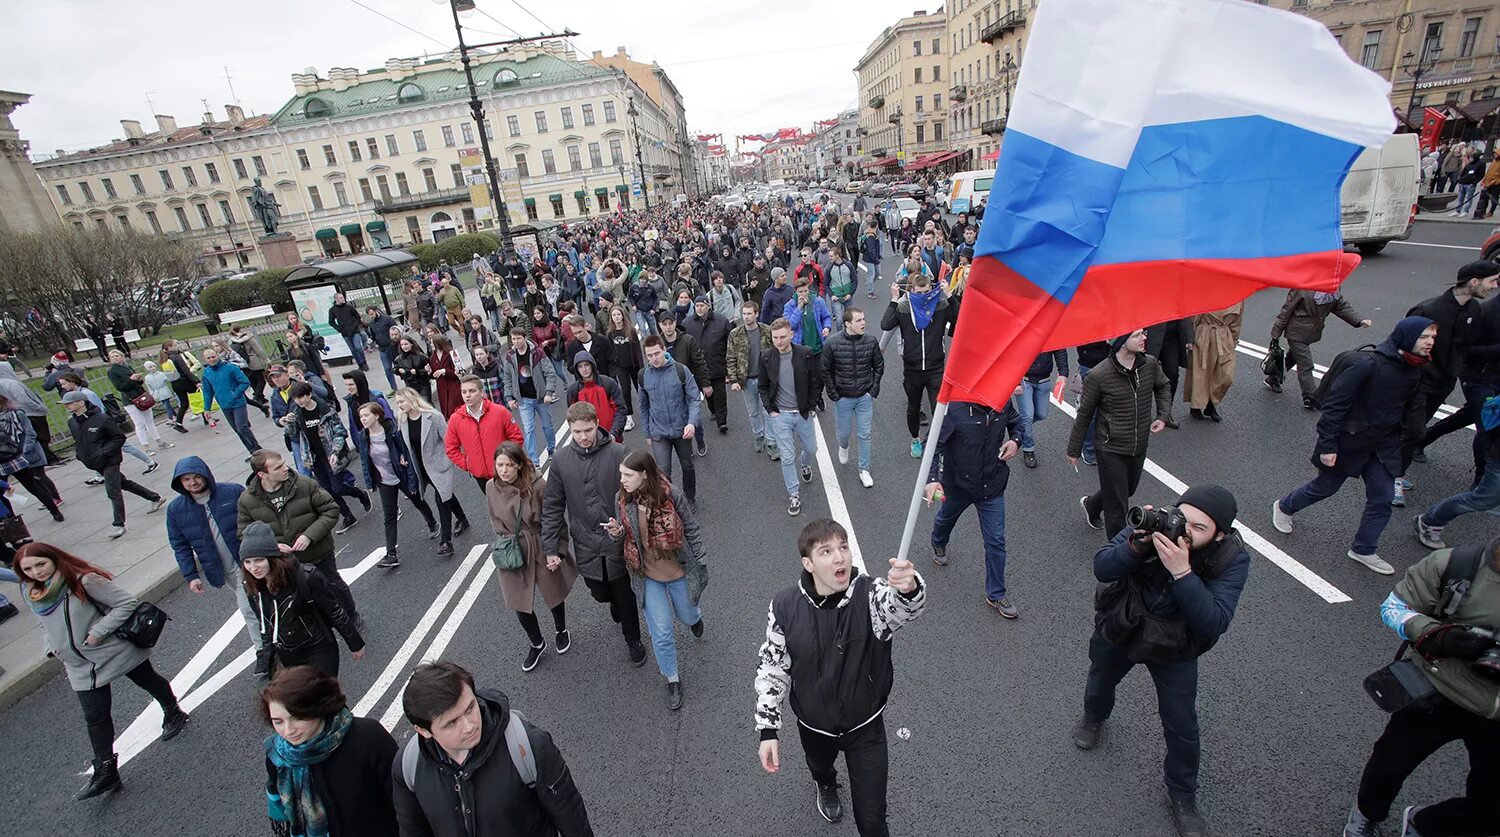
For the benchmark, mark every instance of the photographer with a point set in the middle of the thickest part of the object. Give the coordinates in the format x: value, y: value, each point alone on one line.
x: 1466, y: 705
x: 1169, y: 585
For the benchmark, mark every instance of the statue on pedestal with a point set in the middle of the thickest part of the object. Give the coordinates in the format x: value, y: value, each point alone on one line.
x: 265, y: 208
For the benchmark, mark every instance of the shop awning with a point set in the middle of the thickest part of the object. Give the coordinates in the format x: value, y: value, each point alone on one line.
x: 884, y: 161
x: 375, y: 226
x: 622, y: 189
x: 530, y: 201
x: 601, y: 190
x: 933, y: 159
x: 992, y: 156
x: 349, y: 229
x: 580, y: 194
x: 326, y: 234
x: 554, y: 197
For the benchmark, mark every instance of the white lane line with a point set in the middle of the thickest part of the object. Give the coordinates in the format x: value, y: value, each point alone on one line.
x: 1444, y: 246
x: 419, y: 633
x: 837, y: 508
x: 146, y: 728
x: 1252, y: 539
x: 1319, y: 370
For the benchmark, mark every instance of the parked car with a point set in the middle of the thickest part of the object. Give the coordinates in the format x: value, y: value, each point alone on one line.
x: 877, y: 190
x: 899, y: 208
x: 909, y: 190
x: 1491, y: 248
x: 854, y: 187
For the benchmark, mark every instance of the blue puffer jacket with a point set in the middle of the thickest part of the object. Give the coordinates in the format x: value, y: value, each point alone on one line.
x: 396, y: 447
x: 669, y: 400
x: 187, y: 523
x: 820, y: 314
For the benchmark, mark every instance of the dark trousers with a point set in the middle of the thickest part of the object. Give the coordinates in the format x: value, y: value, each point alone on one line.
x: 256, y: 394
x: 616, y: 593
x: 533, y: 628
x: 44, y: 437
x: 447, y: 511
x: 324, y: 656
x: 184, y: 408
x: 718, y: 404
x: 914, y: 382
x: 662, y: 450
x: 1172, y: 355
x: 1380, y: 489
x: 388, y: 499
x: 98, y: 702
x: 626, y: 378
x: 1420, y: 410
x: 329, y: 567
x: 482, y: 482
x: 1176, y: 702
x: 1417, y: 732
x: 1474, y: 396
x: 1118, y: 477
x: 335, y: 486
x: 115, y: 483
x: 239, y: 419
x: 868, y: 761
x: 1299, y: 356
x: 36, y: 481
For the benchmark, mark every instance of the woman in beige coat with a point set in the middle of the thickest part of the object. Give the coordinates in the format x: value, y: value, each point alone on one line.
x: 515, y: 503
x: 1211, y: 365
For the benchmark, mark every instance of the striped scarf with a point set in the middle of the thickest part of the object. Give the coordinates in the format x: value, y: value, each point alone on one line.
x: 291, y: 801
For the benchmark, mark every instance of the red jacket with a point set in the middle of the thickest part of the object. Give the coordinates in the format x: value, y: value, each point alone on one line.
x: 472, y: 444
x: 814, y: 276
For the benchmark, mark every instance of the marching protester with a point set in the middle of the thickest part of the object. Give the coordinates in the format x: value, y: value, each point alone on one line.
x: 327, y: 771
x: 711, y: 332
x: 1479, y: 380
x: 600, y: 390
x: 179, y: 367
x: 388, y: 470
x: 345, y: 319
x: 666, y: 557
x: 919, y: 318
x: 579, y: 501
x: 791, y: 383
x: 413, y: 367
x: 1210, y: 367
x: 670, y: 402
x: 476, y: 766
x: 1126, y: 398
x: 296, y: 605
x: 384, y: 333
x: 357, y: 393
x: 828, y: 645
x: 80, y: 609
x: 488, y: 370
x: 514, y: 498
x: 426, y: 434
x: 443, y: 361
x: 329, y: 454
x: 532, y: 384
x: 1301, y: 321
x: 1036, y: 398
x: 625, y: 358
x: 256, y: 363
x: 748, y: 345
x: 1483, y: 496
x: 1188, y: 587
x: 227, y: 384
x: 475, y: 430
x: 683, y: 348
x: 22, y: 459
x: 1360, y: 432
x: 25, y: 399
x: 97, y: 442
x: 1172, y: 344
x: 73, y: 382
x: 852, y: 368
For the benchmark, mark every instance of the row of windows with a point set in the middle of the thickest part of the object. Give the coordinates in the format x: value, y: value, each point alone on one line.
x: 575, y: 158
x: 205, y: 218
x: 1432, y: 42
x: 189, y: 179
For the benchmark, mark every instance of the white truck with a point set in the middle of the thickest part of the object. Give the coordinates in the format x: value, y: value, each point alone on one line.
x: 1379, y: 198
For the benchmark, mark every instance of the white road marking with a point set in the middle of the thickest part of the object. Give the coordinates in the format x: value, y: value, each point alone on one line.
x: 837, y: 508
x: 1444, y: 246
x: 1259, y: 352
x: 1252, y: 539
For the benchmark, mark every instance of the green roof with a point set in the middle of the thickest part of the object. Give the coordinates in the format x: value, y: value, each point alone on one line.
x: 432, y: 84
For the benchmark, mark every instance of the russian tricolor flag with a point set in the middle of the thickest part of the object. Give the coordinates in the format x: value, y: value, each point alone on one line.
x: 1163, y: 158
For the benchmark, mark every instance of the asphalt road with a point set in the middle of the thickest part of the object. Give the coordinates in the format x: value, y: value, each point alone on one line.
x: 989, y: 704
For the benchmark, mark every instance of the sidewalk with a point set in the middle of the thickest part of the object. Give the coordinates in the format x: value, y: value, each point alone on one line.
x: 1445, y: 218
x: 141, y: 560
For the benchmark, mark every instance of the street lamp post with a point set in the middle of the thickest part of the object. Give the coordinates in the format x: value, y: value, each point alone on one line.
x: 1416, y: 68
x: 640, y: 164
x: 1005, y: 72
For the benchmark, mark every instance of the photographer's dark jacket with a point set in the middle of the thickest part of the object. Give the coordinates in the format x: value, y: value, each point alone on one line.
x: 1123, y: 403
x: 1155, y: 619
x: 1418, y: 594
x: 968, y: 454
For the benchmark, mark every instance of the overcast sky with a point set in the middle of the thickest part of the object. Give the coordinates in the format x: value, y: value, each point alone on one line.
x: 90, y: 63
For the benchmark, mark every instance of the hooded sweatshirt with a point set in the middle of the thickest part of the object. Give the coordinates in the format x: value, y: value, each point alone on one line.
x: 19, y: 394
x: 1365, y: 406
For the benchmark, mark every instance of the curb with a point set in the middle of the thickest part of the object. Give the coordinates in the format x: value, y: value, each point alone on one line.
x: 21, y: 681
x: 1437, y: 218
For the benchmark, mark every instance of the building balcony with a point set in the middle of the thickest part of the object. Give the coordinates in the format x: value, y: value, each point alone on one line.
x: 992, y: 127
x: 877, y: 102
x: 959, y: 93
x: 421, y: 200
x: 1007, y: 22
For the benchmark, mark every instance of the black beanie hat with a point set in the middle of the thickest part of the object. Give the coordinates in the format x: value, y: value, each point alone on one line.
x: 1214, y: 501
x: 1115, y: 344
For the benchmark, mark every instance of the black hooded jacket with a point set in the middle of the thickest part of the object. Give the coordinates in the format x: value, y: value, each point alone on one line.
x: 1366, y: 404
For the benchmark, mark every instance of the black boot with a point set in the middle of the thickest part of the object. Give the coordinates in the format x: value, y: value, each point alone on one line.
x: 173, y: 723
x: 1185, y: 814
x: 829, y: 805
x: 106, y: 779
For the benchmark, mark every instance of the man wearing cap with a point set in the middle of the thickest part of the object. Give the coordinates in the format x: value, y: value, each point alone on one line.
x: 1164, y: 603
x: 97, y: 442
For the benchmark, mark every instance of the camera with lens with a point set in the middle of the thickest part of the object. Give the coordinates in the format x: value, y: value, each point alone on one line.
x: 1487, y: 665
x: 1168, y: 520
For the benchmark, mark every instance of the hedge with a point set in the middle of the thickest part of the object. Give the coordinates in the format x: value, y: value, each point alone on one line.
x: 228, y: 295
x: 272, y: 292
x: 460, y: 249
x: 428, y: 255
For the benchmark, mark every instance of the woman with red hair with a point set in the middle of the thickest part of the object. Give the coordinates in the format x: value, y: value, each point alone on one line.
x: 80, y: 608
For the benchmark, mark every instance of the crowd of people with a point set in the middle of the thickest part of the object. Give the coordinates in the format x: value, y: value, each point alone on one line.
x: 1464, y: 168
x: 645, y: 322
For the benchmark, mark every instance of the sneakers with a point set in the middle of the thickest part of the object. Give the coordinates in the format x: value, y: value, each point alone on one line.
x: 149, y: 468
x: 637, y: 652
x: 844, y: 456
x: 1430, y: 536
x: 1003, y: 607
x: 1280, y: 519
x: 461, y: 527
x: 445, y: 548
x: 156, y: 505
x: 1185, y: 815
x: 630, y: 422
x: 1086, y: 734
x: 116, y: 532
x: 389, y: 561
x: 794, y: 505
x: 1406, y: 483
x: 806, y: 473
x: 760, y: 444
x: 700, y: 443
x: 1308, y: 403
x: 94, y: 481
x: 674, y: 695
x: 916, y: 448
x: 1398, y: 499
x: 830, y: 807
x: 940, y: 555
x: 1029, y: 458
x: 1408, y: 826
x: 345, y: 525
x: 1094, y: 521
x: 533, y: 656
x: 1420, y: 455
x: 772, y: 451
x: 564, y: 642
x: 697, y: 627
x: 263, y: 664
x: 1091, y: 461
x: 1359, y: 825
x: 1272, y: 385
x: 173, y: 724
x: 866, y: 480
x: 1373, y: 562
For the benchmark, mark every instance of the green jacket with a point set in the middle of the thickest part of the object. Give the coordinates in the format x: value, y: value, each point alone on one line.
x: 299, y: 507
x: 119, y: 375
x: 738, y: 355
x: 1420, y: 590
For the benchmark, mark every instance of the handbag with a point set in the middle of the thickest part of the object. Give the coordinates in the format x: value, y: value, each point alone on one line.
x: 144, y: 625
x: 1274, y: 364
x: 144, y: 402
x: 13, y: 530
x: 506, y: 553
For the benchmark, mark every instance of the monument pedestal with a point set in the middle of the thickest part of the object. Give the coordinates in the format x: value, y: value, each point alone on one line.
x: 280, y: 250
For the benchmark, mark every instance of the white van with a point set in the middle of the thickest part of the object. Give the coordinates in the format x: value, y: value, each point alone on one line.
x: 1379, y: 198
x: 967, y: 189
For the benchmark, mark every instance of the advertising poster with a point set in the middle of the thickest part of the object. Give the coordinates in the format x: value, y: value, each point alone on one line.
x: 312, y: 306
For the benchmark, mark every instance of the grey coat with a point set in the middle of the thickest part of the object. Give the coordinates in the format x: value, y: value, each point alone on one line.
x: 581, y: 495
x: 436, y: 468
x: 250, y: 349
x: 72, y: 622
x: 692, y: 555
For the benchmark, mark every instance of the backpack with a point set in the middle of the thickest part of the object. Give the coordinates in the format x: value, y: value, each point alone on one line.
x: 114, y: 410
x: 1341, y: 363
x: 517, y: 741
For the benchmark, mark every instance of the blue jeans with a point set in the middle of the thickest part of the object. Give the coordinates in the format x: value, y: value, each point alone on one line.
x: 239, y: 419
x: 494, y: 315
x: 789, y: 429
x: 1033, y: 406
x: 1380, y: 487
x: 663, y: 600
x: 1481, y: 498
x: 836, y: 306
x: 295, y: 446
x: 1088, y: 435
x: 754, y: 407
x: 533, y: 413
x: 386, y: 361
x: 357, y: 348
x: 855, y: 414
x: 991, y: 527
x: 1465, y: 197
x: 645, y: 324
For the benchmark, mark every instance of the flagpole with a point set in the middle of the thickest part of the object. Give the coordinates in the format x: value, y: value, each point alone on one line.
x: 929, y: 450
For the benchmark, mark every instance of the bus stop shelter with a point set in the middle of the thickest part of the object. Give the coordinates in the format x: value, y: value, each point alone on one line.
x: 313, y: 288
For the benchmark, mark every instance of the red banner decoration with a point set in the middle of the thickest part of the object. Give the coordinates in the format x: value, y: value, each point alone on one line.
x: 1432, y: 128
x: 710, y: 137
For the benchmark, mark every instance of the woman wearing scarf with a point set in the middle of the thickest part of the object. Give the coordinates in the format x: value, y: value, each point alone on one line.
x: 444, y: 364
x: 80, y: 608
x: 296, y: 609
x: 666, y: 556
x: 515, y: 503
x: 328, y: 773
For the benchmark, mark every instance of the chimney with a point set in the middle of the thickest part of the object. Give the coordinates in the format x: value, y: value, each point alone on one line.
x: 132, y: 128
x: 621, y: 52
x: 166, y: 124
x: 598, y: 55
x: 236, y: 114
x: 208, y: 117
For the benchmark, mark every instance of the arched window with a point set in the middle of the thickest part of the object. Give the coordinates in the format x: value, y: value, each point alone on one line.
x: 317, y: 108
x: 409, y: 93
x: 506, y: 76
x: 442, y: 218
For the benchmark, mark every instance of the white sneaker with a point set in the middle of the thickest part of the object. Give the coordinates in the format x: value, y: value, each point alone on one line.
x: 1280, y: 519
x: 1373, y: 562
x: 843, y: 456
x: 117, y: 531
x: 630, y: 422
x: 866, y: 480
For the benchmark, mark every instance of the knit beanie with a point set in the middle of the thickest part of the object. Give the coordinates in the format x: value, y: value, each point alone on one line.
x: 1214, y: 501
x: 258, y: 541
x: 1116, y: 344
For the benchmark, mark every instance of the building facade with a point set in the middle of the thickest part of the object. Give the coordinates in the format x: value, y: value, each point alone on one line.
x: 903, y: 88
x: 835, y: 147
x: 986, y: 41
x: 24, y: 206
